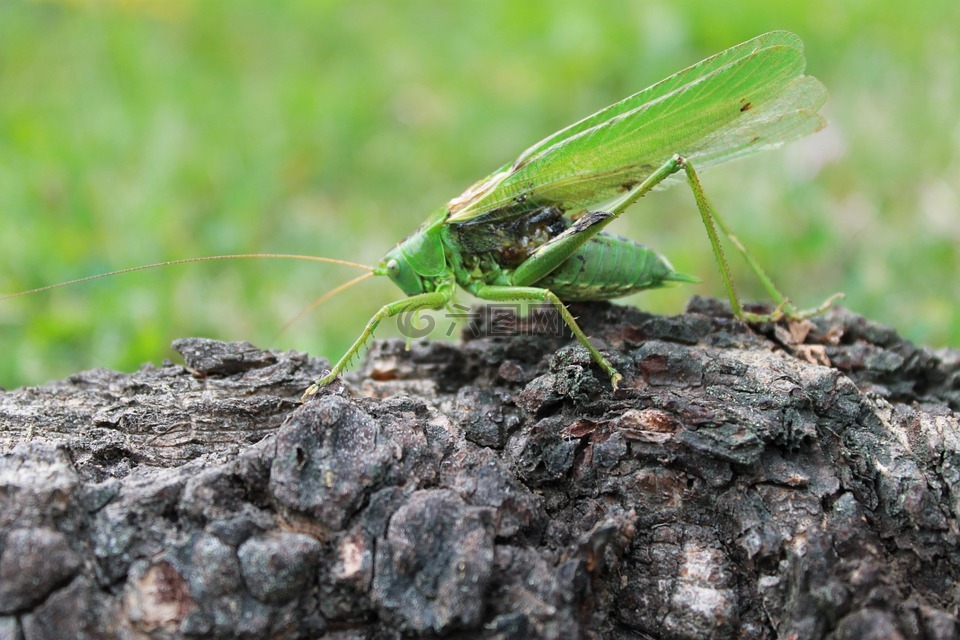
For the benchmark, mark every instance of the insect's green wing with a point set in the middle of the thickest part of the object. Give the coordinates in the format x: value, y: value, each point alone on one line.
x: 669, y: 85
x: 745, y: 99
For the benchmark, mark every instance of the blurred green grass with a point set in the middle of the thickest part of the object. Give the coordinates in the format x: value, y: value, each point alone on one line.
x: 135, y: 131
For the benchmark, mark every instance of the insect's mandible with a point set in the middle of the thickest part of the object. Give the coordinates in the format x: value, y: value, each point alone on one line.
x: 533, y: 229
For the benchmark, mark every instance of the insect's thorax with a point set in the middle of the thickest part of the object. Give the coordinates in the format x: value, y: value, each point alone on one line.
x: 489, y: 247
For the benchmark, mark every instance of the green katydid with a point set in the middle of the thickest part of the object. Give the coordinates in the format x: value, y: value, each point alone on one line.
x: 526, y: 233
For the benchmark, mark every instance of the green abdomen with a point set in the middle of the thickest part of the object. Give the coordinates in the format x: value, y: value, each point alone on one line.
x: 610, y: 266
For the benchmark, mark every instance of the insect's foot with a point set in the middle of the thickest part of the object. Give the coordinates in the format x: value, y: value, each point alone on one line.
x: 313, y: 389
x: 615, y: 377
x: 782, y: 310
x: 810, y: 313
x: 615, y: 380
x: 785, y: 310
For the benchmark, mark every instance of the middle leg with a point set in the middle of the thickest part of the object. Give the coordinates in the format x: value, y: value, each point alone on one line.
x: 505, y: 294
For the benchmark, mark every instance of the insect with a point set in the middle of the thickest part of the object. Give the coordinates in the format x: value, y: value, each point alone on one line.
x: 533, y: 229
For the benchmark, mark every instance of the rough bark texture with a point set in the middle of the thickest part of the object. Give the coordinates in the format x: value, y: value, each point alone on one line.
x: 730, y: 489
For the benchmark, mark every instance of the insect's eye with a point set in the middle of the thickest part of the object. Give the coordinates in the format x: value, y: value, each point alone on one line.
x: 393, y: 267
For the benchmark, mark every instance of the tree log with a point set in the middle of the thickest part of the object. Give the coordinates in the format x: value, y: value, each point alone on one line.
x: 796, y: 480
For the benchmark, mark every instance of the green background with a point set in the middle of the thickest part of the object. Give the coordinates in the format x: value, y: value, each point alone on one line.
x: 134, y: 132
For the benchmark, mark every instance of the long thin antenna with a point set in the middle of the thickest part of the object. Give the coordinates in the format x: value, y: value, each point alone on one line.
x: 316, y: 303
x: 239, y: 256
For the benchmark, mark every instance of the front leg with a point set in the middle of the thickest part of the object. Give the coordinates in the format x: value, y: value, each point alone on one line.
x: 432, y: 300
x: 505, y: 294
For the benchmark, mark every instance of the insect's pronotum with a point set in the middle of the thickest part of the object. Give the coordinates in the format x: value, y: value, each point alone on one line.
x: 533, y: 229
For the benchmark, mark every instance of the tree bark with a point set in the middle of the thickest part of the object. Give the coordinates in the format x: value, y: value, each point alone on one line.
x: 796, y: 481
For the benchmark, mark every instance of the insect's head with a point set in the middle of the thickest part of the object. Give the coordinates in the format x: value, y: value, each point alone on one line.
x: 397, y: 267
x: 415, y: 263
